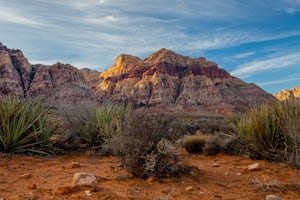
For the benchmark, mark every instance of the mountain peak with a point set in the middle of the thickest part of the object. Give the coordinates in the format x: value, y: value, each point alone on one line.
x: 293, y: 93
x: 124, y: 59
x: 164, y: 55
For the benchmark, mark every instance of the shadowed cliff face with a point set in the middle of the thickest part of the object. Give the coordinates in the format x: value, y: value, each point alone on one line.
x: 58, y: 83
x: 171, y: 82
x: 293, y: 94
x: 164, y: 81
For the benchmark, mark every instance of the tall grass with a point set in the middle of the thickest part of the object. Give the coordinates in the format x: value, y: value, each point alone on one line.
x: 109, y: 120
x: 274, y: 128
x: 98, y: 126
x: 24, y: 126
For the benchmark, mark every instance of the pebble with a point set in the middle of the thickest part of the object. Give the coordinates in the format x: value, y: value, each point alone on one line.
x: 85, y: 179
x: 64, y: 190
x: 254, y: 167
x: 189, y: 188
x: 88, y: 193
x: 216, y: 165
x: 25, y: 176
x: 150, y: 180
x: 32, y: 186
x: 75, y: 196
x: 273, y: 197
x: 73, y: 165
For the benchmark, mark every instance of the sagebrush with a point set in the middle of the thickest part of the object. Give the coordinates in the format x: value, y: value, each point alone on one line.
x: 146, y: 146
x: 194, y: 143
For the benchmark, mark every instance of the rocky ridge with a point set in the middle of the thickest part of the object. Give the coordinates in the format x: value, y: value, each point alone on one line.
x: 293, y: 94
x: 163, y: 81
x: 53, y: 84
x: 177, y: 83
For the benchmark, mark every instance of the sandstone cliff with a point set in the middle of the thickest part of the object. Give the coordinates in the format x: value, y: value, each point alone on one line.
x: 171, y: 82
x: 164, y: 81
x: 293, y: 93
x: 55, y: 84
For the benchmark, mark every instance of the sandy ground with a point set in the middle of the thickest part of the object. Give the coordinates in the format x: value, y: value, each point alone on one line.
x: 213, y: 177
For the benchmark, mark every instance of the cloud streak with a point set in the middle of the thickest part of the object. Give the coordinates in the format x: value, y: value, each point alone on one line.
x: 10, y: 15
x: 254, y: 67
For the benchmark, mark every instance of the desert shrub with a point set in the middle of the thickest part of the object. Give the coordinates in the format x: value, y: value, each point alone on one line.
x: 95, y: 126
x: 220, y: 142
x: 273, y: 129
x: 109, y: 120
x: 24, y: 126
x: 194, y: 143
x: 146, y: 146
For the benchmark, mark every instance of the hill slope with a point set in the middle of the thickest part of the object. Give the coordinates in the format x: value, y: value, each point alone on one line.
x: 164, y: 81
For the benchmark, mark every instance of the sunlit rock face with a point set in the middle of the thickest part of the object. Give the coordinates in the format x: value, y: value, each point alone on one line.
x: 164, y: 82
x: 167, y: 81
x: 293, y: 93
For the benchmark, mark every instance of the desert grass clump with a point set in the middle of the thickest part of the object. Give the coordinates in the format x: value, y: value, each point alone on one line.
x: 146, y: 146
x: 24, y: 126
x: 194, y: 143
x: 95, y: 126
x: 273, y: 129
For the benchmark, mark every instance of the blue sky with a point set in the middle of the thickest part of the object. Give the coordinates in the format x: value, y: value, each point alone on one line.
x: 257, y: 41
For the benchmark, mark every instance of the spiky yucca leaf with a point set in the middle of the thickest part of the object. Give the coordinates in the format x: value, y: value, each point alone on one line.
x: 24, y: 126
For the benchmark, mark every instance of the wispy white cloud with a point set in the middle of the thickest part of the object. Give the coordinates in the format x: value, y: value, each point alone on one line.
x: 278, y: 81
x: 243, y: 55
x: 13, y: 16
x: 254, y: 67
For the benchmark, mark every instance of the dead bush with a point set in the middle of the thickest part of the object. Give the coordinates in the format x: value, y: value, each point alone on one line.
x: 220, y: 142
x: 194, y: 143
x: 146, y: 146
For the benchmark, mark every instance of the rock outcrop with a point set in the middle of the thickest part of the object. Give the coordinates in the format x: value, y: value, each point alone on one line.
x: 55, y: 84
x: 10, y: 71
x: 171, y: 82
x: 164, y: 81
x: 293, y: 94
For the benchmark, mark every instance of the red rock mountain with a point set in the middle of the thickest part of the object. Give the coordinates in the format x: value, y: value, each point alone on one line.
x: 55, y: 84
x: 171, y: 82
x: 164, y: 81
x: 293, y: 93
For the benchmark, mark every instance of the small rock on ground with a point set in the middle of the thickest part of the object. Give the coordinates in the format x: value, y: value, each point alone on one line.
x: 85, y: 179
x: 273, y: 197
x: 216, y: 165
x: 64, y: 190
x: 31, y: 186
x: 254, y: 167
x: 189, y: 188
x: 25, y: 176
x: 73, y: 165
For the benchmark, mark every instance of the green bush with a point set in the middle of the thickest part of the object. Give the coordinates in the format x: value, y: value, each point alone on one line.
x: 24, y: 126
x: 194, y: 143
x: 273, y: 129
x: 97, y: 126
x: 146, y: 146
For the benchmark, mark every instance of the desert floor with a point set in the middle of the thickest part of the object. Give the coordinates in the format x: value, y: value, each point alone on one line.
x: 212, y: 177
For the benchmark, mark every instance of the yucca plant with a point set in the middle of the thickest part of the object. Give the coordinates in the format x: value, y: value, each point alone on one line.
x: 98, y: 126
x: 109, y: 120
x: 24, y: 126
x: 273, y: 127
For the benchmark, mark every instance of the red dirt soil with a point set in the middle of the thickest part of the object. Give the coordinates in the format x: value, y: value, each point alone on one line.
x: 213, y: 177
